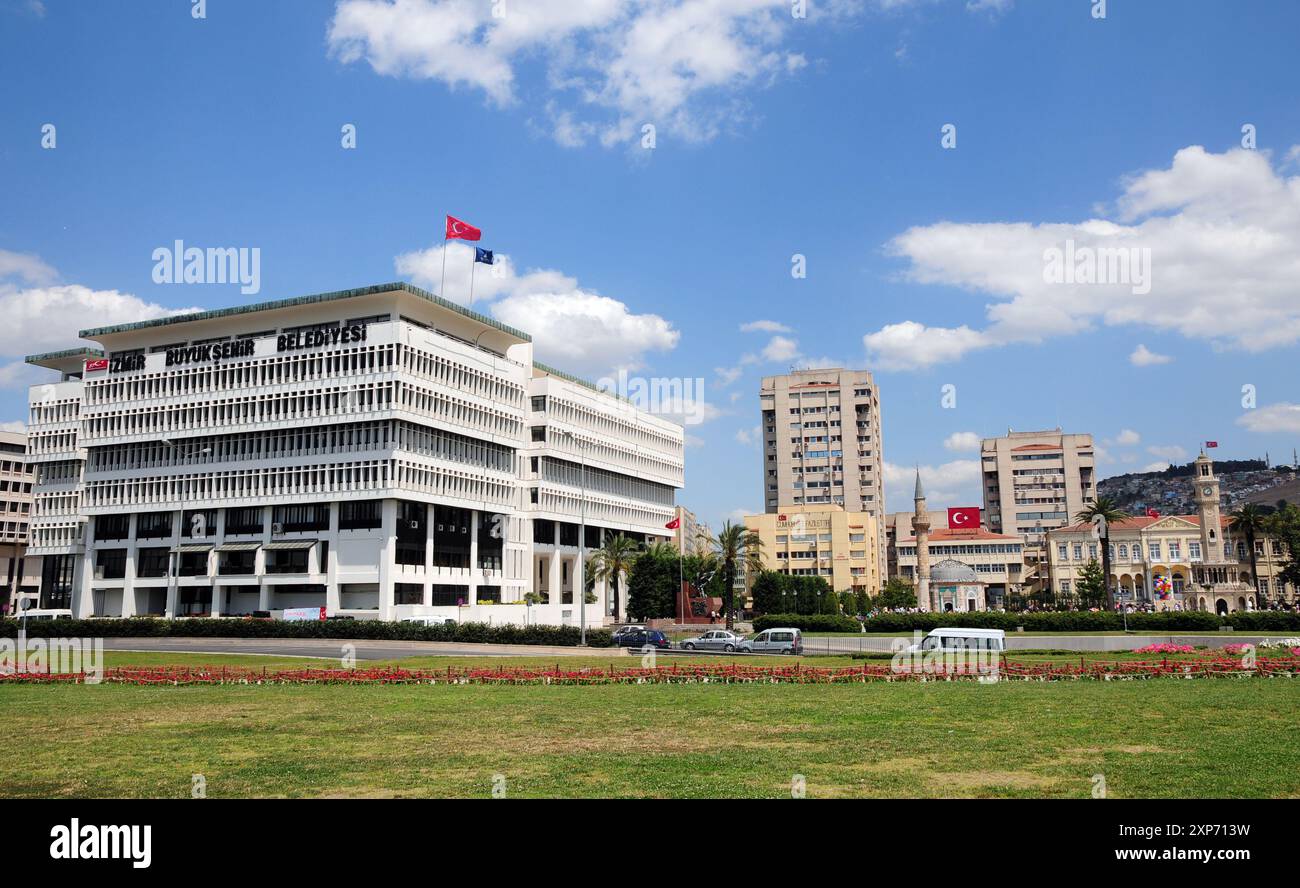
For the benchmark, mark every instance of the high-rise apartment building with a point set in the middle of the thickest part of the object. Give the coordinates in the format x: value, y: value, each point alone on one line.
x: 1035, y: 482
x: 19, y: 572
x: 822, y: 444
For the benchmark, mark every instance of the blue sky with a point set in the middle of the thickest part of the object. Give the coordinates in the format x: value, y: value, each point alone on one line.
x: 774, y: 136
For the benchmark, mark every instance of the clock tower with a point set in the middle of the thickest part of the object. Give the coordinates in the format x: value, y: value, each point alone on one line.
x: 1206, y: 497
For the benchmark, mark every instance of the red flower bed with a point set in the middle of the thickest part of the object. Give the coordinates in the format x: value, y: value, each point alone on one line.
x: 712, y: 673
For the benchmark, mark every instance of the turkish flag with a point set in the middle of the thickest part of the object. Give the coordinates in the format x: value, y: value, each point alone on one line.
x: 964, y: 518
x: 97, y: 364
x: 1211, y: 443
x: 462, y: 230
x: 1152, y: 513
x: 674, y: 524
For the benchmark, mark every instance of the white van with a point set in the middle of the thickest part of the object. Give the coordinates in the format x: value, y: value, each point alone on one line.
x: 953, y: 639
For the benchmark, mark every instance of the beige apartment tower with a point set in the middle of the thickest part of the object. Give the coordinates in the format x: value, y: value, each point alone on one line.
x: 1035, y: 482
x: 821, y: 541
x: 822, y: 444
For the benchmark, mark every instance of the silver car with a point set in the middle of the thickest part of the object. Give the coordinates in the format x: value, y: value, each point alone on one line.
x: 774, y: 641
x: 714, y: 640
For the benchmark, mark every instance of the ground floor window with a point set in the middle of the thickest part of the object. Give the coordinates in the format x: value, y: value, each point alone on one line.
x: 449, y: 596
x: 408, y: 593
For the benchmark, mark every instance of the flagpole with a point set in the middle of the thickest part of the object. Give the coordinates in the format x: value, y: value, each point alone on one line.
x: 473, y: 267
x: 442, y: 287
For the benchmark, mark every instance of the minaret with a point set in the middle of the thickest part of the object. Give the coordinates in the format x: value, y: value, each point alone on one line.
x: 921, y: 527
x: 1206, y: 497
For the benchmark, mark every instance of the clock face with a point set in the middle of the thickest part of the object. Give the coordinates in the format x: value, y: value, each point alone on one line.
x: 1208, y: 491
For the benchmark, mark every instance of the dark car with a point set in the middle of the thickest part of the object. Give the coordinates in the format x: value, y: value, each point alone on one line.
x: 638, y: 638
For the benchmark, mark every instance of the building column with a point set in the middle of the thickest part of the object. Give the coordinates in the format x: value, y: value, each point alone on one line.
x: 259, y: 561
x: 388, y: 538
x: 430, y: 513
x: 333, y: 599
x: 174, y: 565
x: 474, y: 573
x: 556, y: 580
x: 82, y: 576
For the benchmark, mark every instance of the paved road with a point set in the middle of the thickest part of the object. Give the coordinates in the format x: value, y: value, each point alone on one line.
x: 332, y: 649
x: 848, y: 644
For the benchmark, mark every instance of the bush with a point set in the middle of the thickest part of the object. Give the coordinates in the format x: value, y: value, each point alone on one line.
x: 1264, y: 621
x: 370, y: 630
x: 807, y: 622
x: 1049, y: 621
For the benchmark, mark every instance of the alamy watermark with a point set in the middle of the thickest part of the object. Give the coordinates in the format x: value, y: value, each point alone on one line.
x: 180, y: 264
x: 1099, y: 265
x: 674, y: 396
x: 933, y: 656
x: 53, y: 656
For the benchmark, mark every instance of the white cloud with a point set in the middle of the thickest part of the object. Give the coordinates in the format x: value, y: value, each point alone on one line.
x: 574, y: 328
x: 1223, y: 231
x: 996, y: 7
x: 1154, y: 467
x: 962, y: 442
x: 26, y: 267
x: 822, y: 363
x: 912, y: 346
x: 1279, y: 417
x: 1144, y: 357
x: 16, y: 425
x: 764, y: 327
x: 955, y: 483
x: 40, y: 319
x: 611, y: 65
x: 1170, y: 453
x: 727, y: 375
x: 780, y: 349
x: 1128, y: 438
x: 749, y: 436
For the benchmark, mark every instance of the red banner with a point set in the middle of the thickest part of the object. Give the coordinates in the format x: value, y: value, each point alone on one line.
x: 99, y: 364
x: 462, y: 230
x: 964, y: 518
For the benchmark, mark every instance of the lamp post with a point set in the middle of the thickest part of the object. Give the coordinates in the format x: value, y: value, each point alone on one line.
x: 173, y: 579
x: 582, y: 536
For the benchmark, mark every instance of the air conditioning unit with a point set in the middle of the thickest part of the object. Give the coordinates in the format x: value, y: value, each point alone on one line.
x: 277, y: 528
x: 413, y: 524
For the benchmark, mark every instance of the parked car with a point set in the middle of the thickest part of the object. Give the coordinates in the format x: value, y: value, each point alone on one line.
x: 714, y: 640
x: 774, y: 641
x: 637, y: 638
x: 953, y: 638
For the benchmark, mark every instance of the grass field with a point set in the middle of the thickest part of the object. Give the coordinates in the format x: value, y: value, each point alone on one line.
x: 1164, y: 738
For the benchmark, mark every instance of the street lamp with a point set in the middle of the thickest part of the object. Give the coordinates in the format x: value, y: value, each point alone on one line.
x: 582, y: 535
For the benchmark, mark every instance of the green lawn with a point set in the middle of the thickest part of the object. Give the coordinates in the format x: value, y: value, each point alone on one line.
x: 1167, y: 737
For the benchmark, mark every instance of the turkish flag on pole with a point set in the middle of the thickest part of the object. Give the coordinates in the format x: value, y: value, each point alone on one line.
x: 964, y: 518
x: 462, y: 230
x: 1211, y: 443
x: 1152, y: 513
x: 674, y: 524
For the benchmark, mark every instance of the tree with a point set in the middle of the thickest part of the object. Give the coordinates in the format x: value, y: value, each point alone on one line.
x: 1105, y: 508
x: 612, y: 562
x: 766, y: 592
x: 652, y: 585
x: 1249, y: 521
x: 898, y: 592
x: 1092, y: 585
x: 1284, y: 527
x: 737, y: 549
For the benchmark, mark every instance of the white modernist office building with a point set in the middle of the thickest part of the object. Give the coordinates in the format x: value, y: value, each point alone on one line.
x: 380, y: 453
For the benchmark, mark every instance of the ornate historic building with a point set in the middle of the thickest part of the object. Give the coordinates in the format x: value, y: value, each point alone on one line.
x: 1192, y: 562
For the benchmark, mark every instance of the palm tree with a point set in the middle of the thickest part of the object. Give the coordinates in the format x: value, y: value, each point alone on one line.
x: 612, y: 562
x: 1249, y: 522
x: 1105, y: 508
x: 663, y: 550
x: 737, y: 548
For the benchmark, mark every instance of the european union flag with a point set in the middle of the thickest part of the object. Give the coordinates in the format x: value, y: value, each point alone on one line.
x: 482, y: 255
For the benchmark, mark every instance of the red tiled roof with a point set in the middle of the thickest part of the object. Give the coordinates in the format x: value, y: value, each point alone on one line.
x: 948, y: 535
x: 1139, y: 522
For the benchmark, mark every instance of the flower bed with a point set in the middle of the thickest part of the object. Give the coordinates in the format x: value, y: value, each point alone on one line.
x: 1165, y: 647
x: 712, y: 673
